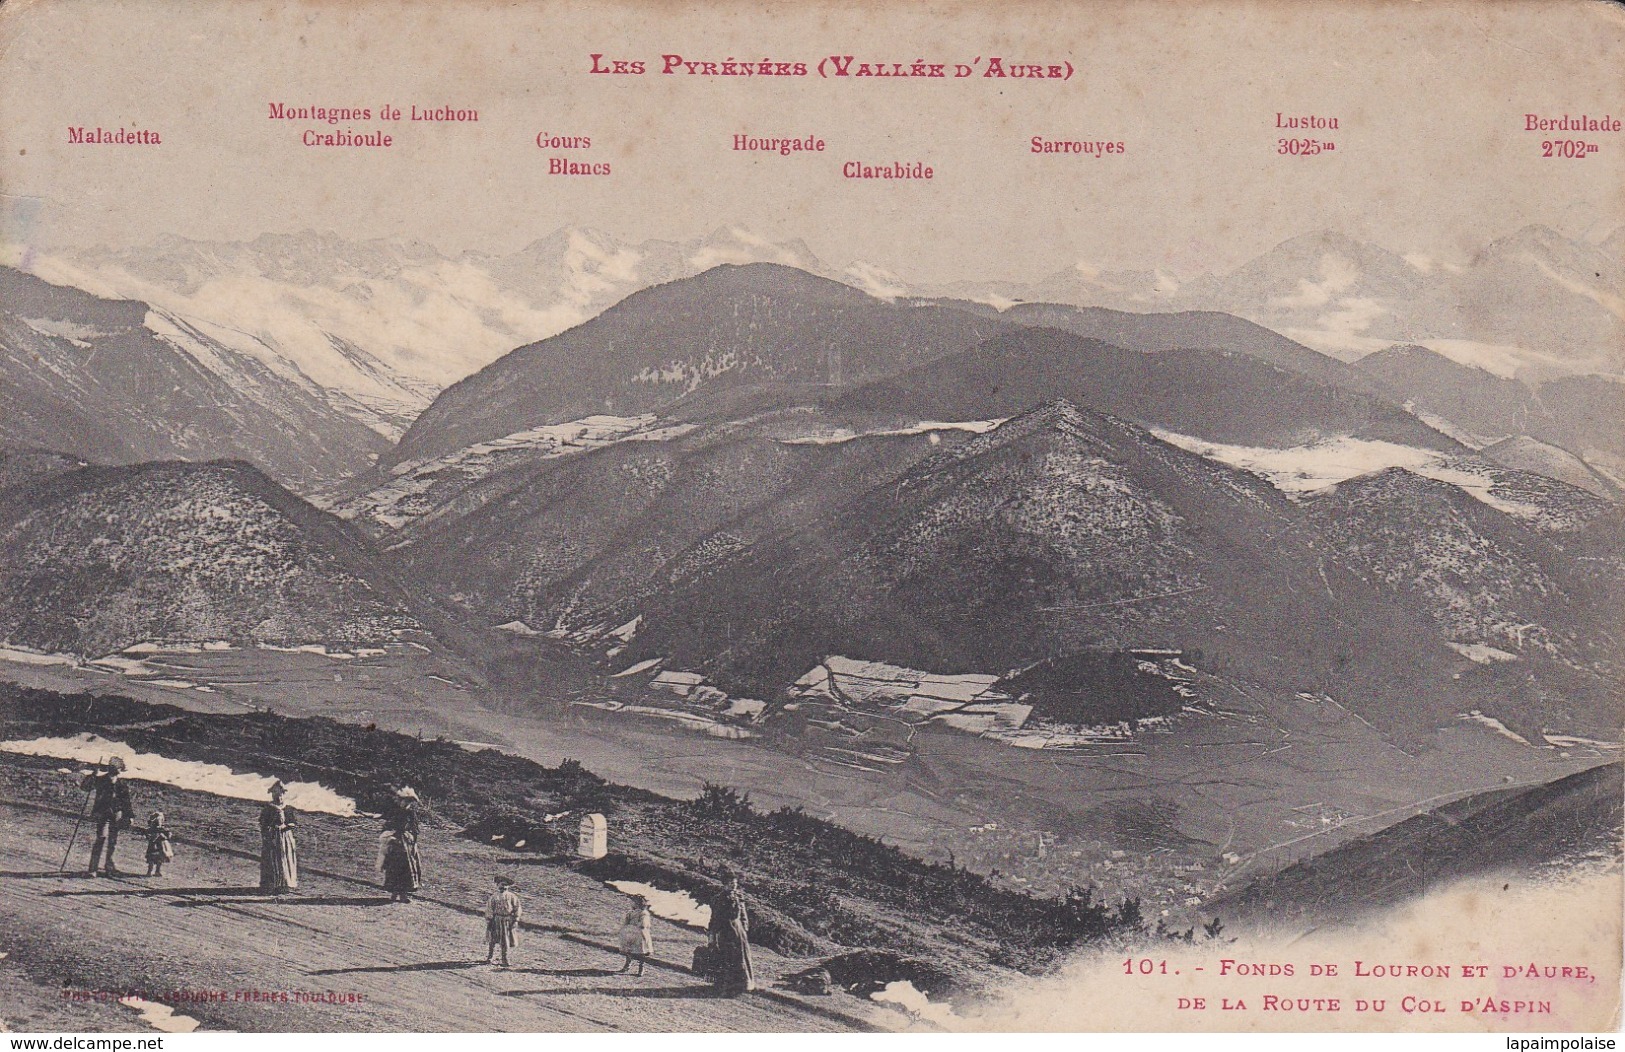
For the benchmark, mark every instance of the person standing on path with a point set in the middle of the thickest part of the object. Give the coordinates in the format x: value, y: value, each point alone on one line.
x: 159, y: 850
x: 402, y: 866
x: 636, y: 941
x: 279, y: 852
x: 730, y: 934
x: 502, y: 912
x: 111, y: 809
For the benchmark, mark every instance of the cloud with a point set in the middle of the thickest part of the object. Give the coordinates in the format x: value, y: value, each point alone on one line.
x: 1572, y: 921
x: 1337, y: 275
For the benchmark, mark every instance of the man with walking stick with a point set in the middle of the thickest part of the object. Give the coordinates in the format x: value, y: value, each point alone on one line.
x: 111, y: 809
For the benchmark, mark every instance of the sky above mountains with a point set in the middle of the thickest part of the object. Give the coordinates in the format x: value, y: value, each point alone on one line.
x: 1432, y: 158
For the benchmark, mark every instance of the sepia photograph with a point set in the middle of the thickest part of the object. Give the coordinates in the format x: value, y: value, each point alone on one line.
x: 609, y: 516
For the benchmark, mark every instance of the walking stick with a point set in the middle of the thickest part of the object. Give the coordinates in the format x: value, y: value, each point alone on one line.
x: 77, y: 822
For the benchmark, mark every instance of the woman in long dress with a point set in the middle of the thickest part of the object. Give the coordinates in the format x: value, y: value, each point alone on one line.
x: 403, y: 869
x: 730, y: 935
x: 279, y: 852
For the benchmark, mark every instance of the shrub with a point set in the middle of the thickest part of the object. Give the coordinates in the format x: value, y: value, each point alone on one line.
x: 510, y: 829
x: 1094, y: 687
x: 868, y: 971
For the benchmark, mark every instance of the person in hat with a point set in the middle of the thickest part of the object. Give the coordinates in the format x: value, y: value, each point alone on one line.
x: 159, y: 850
x: 502, y: 912
x: 111, y: 809
x: 279, y: 852
x: 730, y: 935
x: 636, y: 941
x: 403, y: 868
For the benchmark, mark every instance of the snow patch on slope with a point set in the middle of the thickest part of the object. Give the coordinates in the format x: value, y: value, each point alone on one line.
x: 26, y: 656
x: 1305, y: 469
x: 184, y: 774
x: 844, y: 434
x: 389, y: 340
x: 591, y: 432
x: 844, y: 678
x: 970, y: 702
x: 1482, y: 653
x: 74, y: 333
x: 877, y: 282
x: 964, y: 701
x: 398, y: 502
x: 1495, y: 725
x: 160, y: 1016
x: 676, y: 906
x: 903, y: 994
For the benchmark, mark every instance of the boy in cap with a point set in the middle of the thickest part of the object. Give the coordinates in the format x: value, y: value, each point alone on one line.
x: 502, y: 912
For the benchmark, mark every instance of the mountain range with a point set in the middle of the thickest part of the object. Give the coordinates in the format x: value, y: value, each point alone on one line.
x: 95, y: 559
x: 391, y: 323
x: 742, y: 474
x: 750, y: 557
x: 120, y: 382
x: 1534, y: 305
x: 1572, y: 417
x: 313, y: 328
x: 757, y: 325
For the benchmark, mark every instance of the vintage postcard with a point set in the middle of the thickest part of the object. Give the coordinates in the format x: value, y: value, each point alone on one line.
x: 615, y: 515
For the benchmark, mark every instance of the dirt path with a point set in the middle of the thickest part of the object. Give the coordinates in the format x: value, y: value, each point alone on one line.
x: 365, y: 964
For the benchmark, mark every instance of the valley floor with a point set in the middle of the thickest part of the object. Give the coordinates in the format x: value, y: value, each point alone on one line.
x: 1173, y: 817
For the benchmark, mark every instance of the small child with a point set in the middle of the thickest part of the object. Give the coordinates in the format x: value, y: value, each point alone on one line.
x: 502, y: 912
x: 159, y: 850
x: 636, y: 942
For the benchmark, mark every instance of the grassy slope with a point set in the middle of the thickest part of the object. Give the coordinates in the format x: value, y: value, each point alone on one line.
x: 1569, y: 818
x: 819, y: 889
x: 101, y: 557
